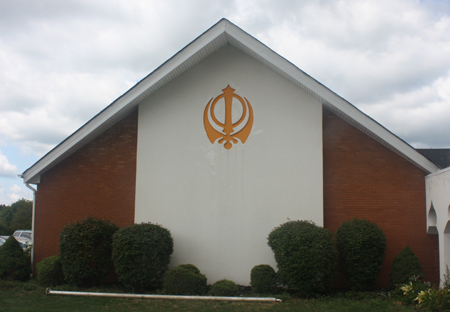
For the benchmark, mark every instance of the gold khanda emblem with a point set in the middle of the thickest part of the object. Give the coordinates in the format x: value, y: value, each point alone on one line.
x: 228, y: 133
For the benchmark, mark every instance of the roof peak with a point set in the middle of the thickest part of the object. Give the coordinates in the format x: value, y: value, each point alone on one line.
x: 223, y: 33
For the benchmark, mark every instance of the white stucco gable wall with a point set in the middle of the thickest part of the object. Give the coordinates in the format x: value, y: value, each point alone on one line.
x: 438, y: 214
x: 220, y: 205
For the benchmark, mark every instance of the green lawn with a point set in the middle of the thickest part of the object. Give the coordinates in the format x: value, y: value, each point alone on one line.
x: 13, y: 297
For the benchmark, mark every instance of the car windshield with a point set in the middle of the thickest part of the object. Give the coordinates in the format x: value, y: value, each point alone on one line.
x: 16, y: 234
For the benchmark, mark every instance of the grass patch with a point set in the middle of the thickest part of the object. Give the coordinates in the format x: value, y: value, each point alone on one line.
x: 29, y: 296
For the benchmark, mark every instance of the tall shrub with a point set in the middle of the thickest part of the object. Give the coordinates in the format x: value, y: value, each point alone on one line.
x: 405, y: 265
x: 15, y: 264
x: 306, y: 256
x: 361, y: 245
x: 85, y: 250
x: 141, y: 255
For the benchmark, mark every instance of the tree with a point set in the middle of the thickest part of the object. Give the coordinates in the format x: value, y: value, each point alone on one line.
x: 21, y: 219
x: 15, y: 264
x: 405, y: 265
x: 6, y: 217
x: 15, y: 217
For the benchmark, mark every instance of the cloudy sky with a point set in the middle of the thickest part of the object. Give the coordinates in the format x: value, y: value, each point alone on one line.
x: 61, y: 62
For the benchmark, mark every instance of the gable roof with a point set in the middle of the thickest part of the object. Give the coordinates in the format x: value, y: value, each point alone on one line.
x: 439, y: 156
x: 221, y: 34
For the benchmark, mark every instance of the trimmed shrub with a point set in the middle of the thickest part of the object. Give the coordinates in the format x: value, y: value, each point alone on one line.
x: 405, y: 265
x: 141, y: 255
x: 185, y: 279
x: 49, y: 272
x: 361, y: 245
x: 306, y: 256
x: 85, y: 250
x: 263, y: 279
x: 15, y: 264
x: 224, y: 288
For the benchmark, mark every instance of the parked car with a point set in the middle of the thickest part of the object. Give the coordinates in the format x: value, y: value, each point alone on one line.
x: 23, y: 234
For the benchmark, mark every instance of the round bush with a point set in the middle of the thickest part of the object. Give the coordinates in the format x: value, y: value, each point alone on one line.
x: 263, y: 279
x: 15, y: 264
x: 361, y: 245
x: 306, y: 256
x: 49, y: 272
x: 405, y: 265
x: 185, y: 279
x: 85, y: 250
x: 141, y: 255
x: 224, y: 288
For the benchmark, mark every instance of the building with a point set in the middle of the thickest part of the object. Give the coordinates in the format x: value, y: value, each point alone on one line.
x: 225, y: 141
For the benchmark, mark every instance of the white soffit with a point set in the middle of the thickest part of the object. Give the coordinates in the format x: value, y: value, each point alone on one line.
x: 219, y: 35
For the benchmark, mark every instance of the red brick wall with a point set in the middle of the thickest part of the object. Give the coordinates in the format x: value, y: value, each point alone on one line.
x: 364, y: 179
x: 98, y: 180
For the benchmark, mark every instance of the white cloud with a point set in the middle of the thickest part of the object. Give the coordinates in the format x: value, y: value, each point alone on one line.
x: 419, y: 116
x: 6, y: 169
x: 16, y: 192
x: 366, y: 50
x: 11, y: 193
x: 64, y: 62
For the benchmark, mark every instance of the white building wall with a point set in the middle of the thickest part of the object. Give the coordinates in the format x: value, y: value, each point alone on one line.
x: 220, y: 205
x: 438, y: 214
